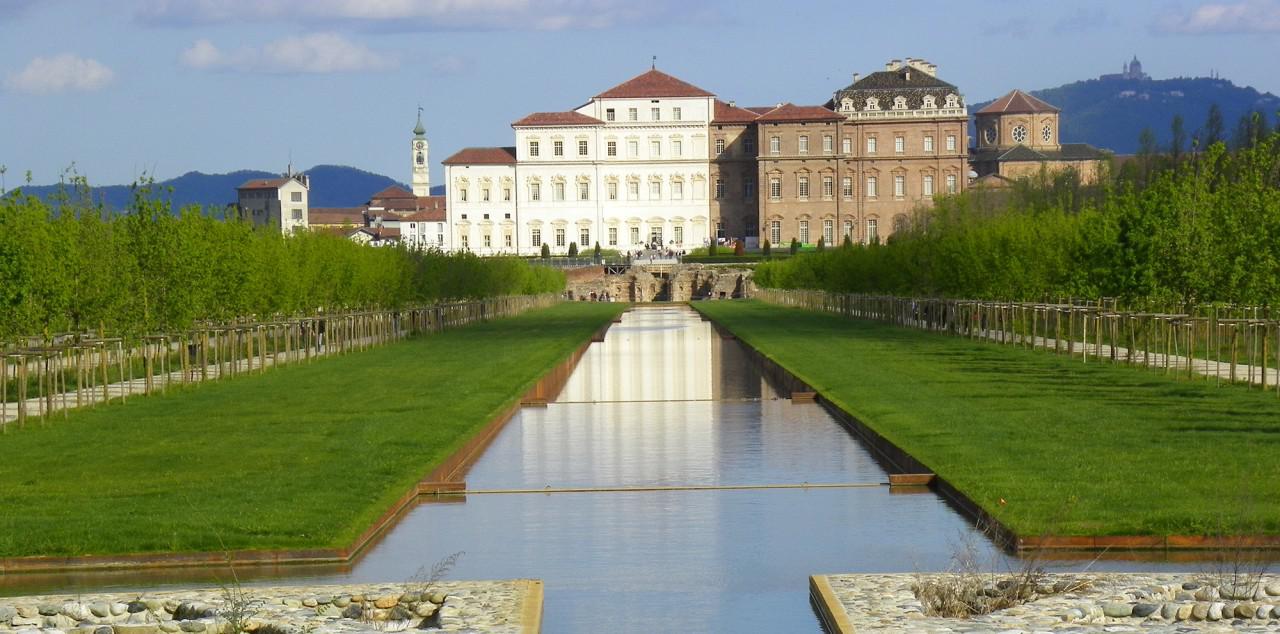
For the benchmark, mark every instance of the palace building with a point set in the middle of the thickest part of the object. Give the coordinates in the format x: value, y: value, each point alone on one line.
x: 658, y: 161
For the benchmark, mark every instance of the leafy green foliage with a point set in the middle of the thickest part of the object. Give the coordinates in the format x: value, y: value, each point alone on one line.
x: 1206, y: 229
x: 152, y: 271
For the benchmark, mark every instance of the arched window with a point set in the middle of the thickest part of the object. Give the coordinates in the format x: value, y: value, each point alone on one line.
x: 899, y: 103
x: 930, y: 103
x: 420, y: 158
x: 873, y: 103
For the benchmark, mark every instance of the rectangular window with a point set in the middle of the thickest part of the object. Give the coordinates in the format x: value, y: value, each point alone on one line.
x: 677, y: 232
x: 297, y: 214
x: 828, y: 144
x: 655, y: 114
x: 675, y: 114
x: 610, y: 115
x: 804, y: 144
x: 828, y: 187
x: 802, y: 187
x: 775, y: 231
x: 871, y: 187
x: 506, y: 240
x: 846, y: 187
x: 775, y: 188
x: 635, y: 235
x: 749, y: 187
x: 584, y: 238
x: 899, y: 186
x: 655, y: 190
x: 488, y: 240
x: 719, y: 188
x: 871, y: 145
x: 775, y: 145
x: 719, y: 147
x: 655, y: 148
x: 613, y: 191
x: 677, y: 147
x: 466, y: 241
x: 848, y: 229
x: 611, y: 147
x: 584, y: 191
x: 557, y: 191
x: 951, y: 183
x: 899, y: 144
x: 928, y: 143
x: 677, y: 190
x: 533, y: 148
x: 749, y: 145
x: 484, y: 194
x: 804, y: 232
x: 295, y: 197
x: 535, y: 192
x: 506, y: 194
x: 828, y: 231
x: 557, y: 148
x: 873, y: 233
x: 846, y: 145
x: 613, y: 236
x: 536, y: 237
x: 951, y: 143
x: 559, y: 237
x: 462, y: 194
x: 582, y: 148
x: 633, y: 190
x: 926, y: 185
x: 633, y: 149
x: 633, y: 114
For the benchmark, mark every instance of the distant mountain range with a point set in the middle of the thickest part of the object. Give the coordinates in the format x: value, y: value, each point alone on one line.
x: 1111, y: 113
x: 331, y: 186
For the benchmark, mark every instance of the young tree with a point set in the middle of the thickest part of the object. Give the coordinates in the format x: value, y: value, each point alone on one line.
x: 1214, y: 128
x: 822, y: 245
x: 711, y: 247
x: 795, y: 246
x: 1178, y: 139
x: 546, y: 250
x: 573, y: 249
x: 767, y: 249
x: 597, y: 250
x: 739, y: 248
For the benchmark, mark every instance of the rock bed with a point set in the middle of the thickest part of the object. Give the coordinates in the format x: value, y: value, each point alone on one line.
x: 478, y: 606
x: 1110, y: 602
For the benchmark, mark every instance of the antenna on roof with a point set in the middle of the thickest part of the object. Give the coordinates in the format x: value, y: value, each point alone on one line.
x: 653, y: 65
x: 289, y: 169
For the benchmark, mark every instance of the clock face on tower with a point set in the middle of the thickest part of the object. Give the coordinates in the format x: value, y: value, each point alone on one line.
x: 418, y: 145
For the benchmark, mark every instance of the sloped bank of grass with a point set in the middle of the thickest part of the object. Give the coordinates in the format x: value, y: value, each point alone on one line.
x: 304, y: 456
x: 1072, y: 448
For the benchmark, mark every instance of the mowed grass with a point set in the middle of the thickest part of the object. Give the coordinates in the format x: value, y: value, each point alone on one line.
x: 1072, y: 448
x: 304, y: 456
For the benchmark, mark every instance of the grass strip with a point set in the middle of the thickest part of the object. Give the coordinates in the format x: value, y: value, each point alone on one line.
x: 1071, y: 448
x: 304, y: 456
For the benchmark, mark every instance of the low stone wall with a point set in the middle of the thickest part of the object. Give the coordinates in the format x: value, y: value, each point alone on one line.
x: 1107, y: 602
x: 507, y: 607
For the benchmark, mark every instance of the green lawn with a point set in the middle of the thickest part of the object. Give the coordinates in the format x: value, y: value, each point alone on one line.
x: 1073, y: 448
x: 305, y: 456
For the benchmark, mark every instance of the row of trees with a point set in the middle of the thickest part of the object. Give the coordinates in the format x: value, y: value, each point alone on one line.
x: 70, y: 266
x: 1205, y: 228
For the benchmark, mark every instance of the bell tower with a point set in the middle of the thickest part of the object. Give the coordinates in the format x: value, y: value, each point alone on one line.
x: 421, y: 164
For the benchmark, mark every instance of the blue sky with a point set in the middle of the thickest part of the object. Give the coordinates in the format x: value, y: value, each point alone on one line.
x: 122, y: 87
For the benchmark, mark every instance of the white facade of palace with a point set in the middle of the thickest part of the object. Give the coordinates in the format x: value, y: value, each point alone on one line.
x: 627, y: 169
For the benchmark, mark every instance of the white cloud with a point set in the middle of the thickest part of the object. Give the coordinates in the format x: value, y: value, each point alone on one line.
x: 318, y: 53
x: 60, y: 73
x: 1242, y: 16
x: 414, y: 14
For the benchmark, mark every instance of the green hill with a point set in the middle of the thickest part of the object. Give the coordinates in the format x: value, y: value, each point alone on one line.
x: 1111, y: 113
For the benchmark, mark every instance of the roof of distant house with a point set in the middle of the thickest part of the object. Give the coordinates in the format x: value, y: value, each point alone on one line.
x: 335, y: 215
x: 653, y: 83
x: 728, y: 113
x: 483, y: 156
x: 569, y: 118
x: 264, y: 183
x: 394, y: 191
x: 1018, y: 153
x: 1018, y: 102
x: 792, y: 112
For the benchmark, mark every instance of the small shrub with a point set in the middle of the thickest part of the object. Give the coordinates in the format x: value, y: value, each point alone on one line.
x: 739, y: 248
x: 573, y: 249
x: 596, y: 251
x: 767, y: 249
x: 822, y: 245
x: 711, y: 248
x: 795, y: 246
x: 546, y: 250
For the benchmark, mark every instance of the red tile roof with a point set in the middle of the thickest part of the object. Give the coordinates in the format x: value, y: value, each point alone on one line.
x: 792, y: 112
x: 400, y: 208
x: 426, y: 215
x: 336, y: 216
x: 653, y: 83
x: 264, y: 183
x: 483, y: 156
x: 394, y: 191
x: 1018, y: 102
x: 760, y: 109
x: 725, y: 113
x: 557, y: 119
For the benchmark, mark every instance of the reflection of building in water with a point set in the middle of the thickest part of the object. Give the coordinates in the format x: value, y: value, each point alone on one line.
x: 653, y: 355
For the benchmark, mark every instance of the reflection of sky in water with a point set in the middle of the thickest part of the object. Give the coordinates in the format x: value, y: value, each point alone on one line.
x: 662, y: 401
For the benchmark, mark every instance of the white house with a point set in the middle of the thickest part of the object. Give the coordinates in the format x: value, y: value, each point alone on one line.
x: 629, y: 168
x: 279, y: 201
